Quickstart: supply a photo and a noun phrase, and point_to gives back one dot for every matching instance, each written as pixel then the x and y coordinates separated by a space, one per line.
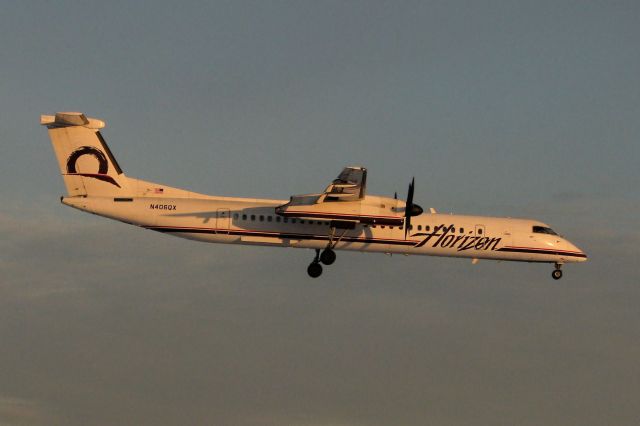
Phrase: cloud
pixel 112 324
pixel 23 412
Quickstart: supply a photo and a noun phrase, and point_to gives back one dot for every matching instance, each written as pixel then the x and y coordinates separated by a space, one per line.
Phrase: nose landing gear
pixel 557 273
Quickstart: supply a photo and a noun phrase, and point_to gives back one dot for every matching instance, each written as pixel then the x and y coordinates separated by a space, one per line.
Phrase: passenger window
pixel 462 230
pixel 410 227
pixel 427 227
pixel 382 226
pixel 419 227
pixel 244 217
pixel 285 220
pixel 235 216
pixel 293 221
pixel 269 218
pixel 277 218
pixel 479 231
pixel 261 218
pixel 253 217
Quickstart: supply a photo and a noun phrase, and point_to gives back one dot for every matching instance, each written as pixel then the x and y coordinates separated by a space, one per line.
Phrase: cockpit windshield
pixel 543 230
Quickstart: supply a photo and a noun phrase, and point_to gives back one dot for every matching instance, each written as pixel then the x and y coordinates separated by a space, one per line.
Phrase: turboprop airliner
pixel 342 217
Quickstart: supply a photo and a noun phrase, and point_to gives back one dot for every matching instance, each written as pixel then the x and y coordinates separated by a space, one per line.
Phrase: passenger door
pixel 222 221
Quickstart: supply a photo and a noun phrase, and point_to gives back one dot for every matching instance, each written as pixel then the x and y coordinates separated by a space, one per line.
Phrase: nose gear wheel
pixel 557 273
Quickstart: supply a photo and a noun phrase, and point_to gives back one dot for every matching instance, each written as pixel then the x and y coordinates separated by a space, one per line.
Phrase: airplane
pixel 342 217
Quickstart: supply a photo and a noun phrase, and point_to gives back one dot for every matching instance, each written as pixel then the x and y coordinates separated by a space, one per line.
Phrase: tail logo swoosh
pixel 103 164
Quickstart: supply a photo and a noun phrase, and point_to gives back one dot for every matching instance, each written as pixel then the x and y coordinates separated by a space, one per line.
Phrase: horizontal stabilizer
pixel 67 119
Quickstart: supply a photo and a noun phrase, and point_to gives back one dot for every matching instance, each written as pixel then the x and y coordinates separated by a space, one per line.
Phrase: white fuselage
pixel 343 217
pixel 254 222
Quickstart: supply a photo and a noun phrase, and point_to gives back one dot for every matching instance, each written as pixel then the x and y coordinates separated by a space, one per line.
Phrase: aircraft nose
pixel 580 255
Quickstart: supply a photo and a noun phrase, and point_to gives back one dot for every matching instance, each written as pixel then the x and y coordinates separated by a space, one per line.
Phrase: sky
pixel 504 108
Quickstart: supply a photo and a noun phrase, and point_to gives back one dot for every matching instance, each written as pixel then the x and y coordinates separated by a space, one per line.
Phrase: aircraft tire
pixel 557 274
pixel 314 270
pixel 328 256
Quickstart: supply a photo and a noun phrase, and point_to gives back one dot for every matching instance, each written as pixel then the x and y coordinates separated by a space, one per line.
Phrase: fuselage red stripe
pixel 283 235
pixel 364 240
pixel 533 250
pixel 294 213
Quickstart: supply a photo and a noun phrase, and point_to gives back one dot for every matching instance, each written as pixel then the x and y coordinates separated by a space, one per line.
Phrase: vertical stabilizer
pixel 86 163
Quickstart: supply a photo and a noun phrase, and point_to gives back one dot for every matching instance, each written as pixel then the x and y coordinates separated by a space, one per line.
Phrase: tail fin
pixel 86 163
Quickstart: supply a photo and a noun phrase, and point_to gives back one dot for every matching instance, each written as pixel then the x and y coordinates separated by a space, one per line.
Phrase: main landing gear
pixel 326 257
pixel 315 268
pixel 557 273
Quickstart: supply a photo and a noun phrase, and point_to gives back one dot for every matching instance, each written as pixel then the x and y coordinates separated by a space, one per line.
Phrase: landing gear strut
pixel 557 273
pixel 327 256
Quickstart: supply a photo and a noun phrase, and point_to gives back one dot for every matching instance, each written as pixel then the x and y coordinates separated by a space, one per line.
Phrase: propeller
pixel 410 209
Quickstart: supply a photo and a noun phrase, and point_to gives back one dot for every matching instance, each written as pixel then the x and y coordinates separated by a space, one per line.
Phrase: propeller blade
pixel 408 209
pixel 407 225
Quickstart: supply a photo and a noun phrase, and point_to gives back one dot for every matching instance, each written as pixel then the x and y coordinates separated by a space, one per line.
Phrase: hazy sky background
pixel 508 108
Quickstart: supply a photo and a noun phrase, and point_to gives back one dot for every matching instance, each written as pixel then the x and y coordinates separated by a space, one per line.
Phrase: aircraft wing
pixel 344 203
pixel 350 185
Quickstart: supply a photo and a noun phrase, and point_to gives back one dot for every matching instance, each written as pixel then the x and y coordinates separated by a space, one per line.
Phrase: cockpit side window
pixel 543 230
